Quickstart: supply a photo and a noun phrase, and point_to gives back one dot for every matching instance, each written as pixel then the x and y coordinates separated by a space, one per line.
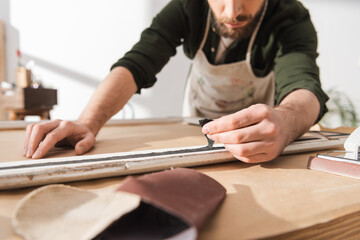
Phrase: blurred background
pixel 73 44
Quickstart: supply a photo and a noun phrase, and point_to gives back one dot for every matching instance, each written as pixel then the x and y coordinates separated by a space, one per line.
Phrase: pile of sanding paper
pixel 172 204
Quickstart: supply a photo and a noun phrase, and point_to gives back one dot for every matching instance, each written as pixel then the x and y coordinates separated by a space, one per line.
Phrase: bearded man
pixel 254 70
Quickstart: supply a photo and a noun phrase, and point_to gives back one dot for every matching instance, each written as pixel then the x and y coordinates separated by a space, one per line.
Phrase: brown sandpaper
pixel 171 204
pixel 186 193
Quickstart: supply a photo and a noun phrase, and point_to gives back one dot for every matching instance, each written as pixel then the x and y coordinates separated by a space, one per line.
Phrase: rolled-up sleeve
pixel 295 63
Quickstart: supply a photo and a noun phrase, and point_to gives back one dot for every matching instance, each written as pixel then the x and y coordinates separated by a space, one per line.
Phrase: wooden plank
pixel 2 52
pixel 57 170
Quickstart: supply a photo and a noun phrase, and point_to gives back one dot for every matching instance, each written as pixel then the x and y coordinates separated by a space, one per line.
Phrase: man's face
pixel 236 19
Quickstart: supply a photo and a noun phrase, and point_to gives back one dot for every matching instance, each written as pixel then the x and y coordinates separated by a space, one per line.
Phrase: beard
pixel 239 33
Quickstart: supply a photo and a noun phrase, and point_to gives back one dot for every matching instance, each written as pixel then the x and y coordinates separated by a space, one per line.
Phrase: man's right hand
pixel 40 138
pixel 108 99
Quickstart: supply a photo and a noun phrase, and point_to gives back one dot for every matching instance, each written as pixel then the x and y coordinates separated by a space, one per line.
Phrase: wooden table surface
pixel 280 199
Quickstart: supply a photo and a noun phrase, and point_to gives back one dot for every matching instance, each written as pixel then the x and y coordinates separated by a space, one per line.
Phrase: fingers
pixel 252 135
pixel 85 144
pixel 249 116
pixel 245 149
pixel 42 137
pixel 237 136
pixel 258 158
pixel 50 140
pixel 27 137
pixel 253 152
pixel 35 134
pixel 258 132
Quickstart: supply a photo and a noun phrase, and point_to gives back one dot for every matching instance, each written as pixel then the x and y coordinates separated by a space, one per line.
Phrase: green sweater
pixel 286 43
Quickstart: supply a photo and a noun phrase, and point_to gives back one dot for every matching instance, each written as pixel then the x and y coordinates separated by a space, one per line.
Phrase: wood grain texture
pixel 345 227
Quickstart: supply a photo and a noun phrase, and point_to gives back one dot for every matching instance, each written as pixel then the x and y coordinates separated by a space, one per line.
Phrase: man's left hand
pixel 260 133
pixel 252 135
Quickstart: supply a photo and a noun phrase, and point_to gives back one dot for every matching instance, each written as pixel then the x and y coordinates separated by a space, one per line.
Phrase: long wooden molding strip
pixel 126 156
pixel 318 140
pixel 57 170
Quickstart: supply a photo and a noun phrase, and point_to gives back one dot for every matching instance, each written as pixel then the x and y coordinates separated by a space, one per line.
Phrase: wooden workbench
pixel 280 199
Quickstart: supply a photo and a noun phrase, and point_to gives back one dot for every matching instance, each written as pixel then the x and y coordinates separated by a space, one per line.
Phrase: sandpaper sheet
pixel 172 203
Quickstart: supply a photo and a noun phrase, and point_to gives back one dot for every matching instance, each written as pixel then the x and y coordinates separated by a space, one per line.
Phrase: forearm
pixel 109 98
pixel 299 110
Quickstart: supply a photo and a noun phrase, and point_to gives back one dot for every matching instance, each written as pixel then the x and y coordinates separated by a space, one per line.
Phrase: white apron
pixel 213 91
